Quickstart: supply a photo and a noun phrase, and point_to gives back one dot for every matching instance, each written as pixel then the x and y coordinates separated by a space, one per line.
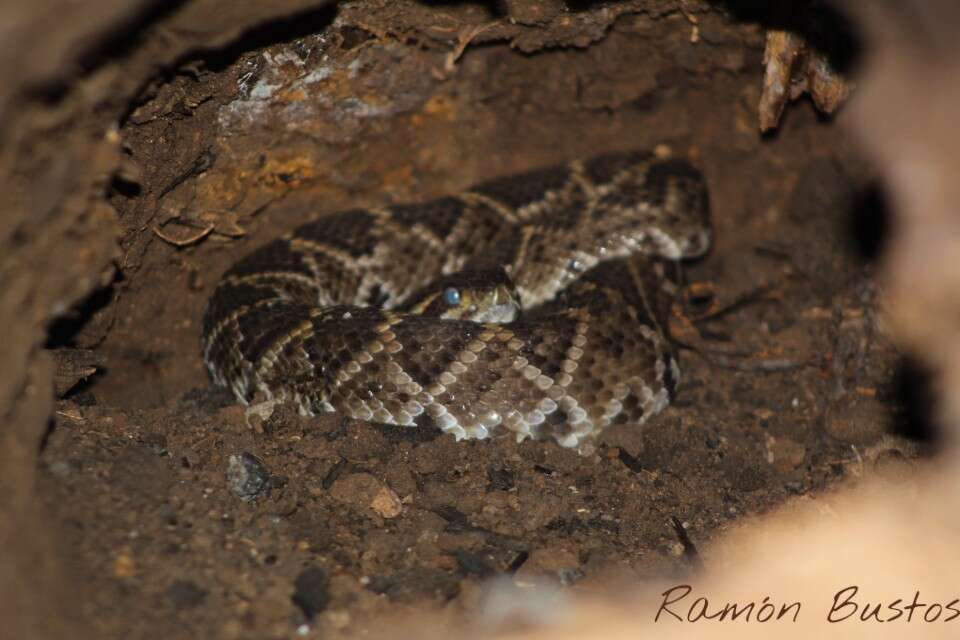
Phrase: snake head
pixel 482 295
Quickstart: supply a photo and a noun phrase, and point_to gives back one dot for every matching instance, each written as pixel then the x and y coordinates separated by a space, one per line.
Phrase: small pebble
pixel 184 594
pixel 784 453
pixel 794 487
pixel 362 490
pixel 386 503
pixel 311 591
pixel 60 468
pixel 124 565
pixel 247 476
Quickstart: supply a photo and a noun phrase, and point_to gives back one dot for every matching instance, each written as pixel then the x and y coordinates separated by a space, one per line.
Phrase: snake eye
pixel 451 296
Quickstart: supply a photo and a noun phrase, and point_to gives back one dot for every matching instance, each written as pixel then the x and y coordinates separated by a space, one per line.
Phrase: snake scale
pixel 532 303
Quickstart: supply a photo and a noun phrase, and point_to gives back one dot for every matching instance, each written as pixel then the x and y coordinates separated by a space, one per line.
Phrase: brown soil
pixel 792 388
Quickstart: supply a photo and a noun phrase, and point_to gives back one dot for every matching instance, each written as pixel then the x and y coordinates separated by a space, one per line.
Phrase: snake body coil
pixel 322 317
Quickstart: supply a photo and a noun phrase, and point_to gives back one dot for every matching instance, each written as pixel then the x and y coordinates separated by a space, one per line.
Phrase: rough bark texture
pixel 71 72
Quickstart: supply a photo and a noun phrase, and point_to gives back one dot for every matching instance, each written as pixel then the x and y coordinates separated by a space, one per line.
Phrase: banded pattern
pixel 320 317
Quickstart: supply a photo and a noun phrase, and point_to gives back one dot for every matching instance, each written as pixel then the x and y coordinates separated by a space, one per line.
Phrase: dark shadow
pixel 869 222
pixel 64 329
pixel 45 438
pixel 285 29
pixel 579 6
pixel 126 188
pixel 824 27
pixel 852 212
pixel 495 8
pixel 914 400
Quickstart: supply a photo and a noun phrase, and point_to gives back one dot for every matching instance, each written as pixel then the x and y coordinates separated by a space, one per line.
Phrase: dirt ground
pixel 183 518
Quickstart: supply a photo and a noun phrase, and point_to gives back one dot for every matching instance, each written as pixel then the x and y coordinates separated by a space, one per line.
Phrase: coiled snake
pixel 411 315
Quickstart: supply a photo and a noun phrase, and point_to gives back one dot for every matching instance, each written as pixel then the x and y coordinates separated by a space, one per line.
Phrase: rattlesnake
pixel 409 315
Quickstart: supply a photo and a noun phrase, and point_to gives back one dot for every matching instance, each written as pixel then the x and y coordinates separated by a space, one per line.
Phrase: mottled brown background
pixel 146 145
